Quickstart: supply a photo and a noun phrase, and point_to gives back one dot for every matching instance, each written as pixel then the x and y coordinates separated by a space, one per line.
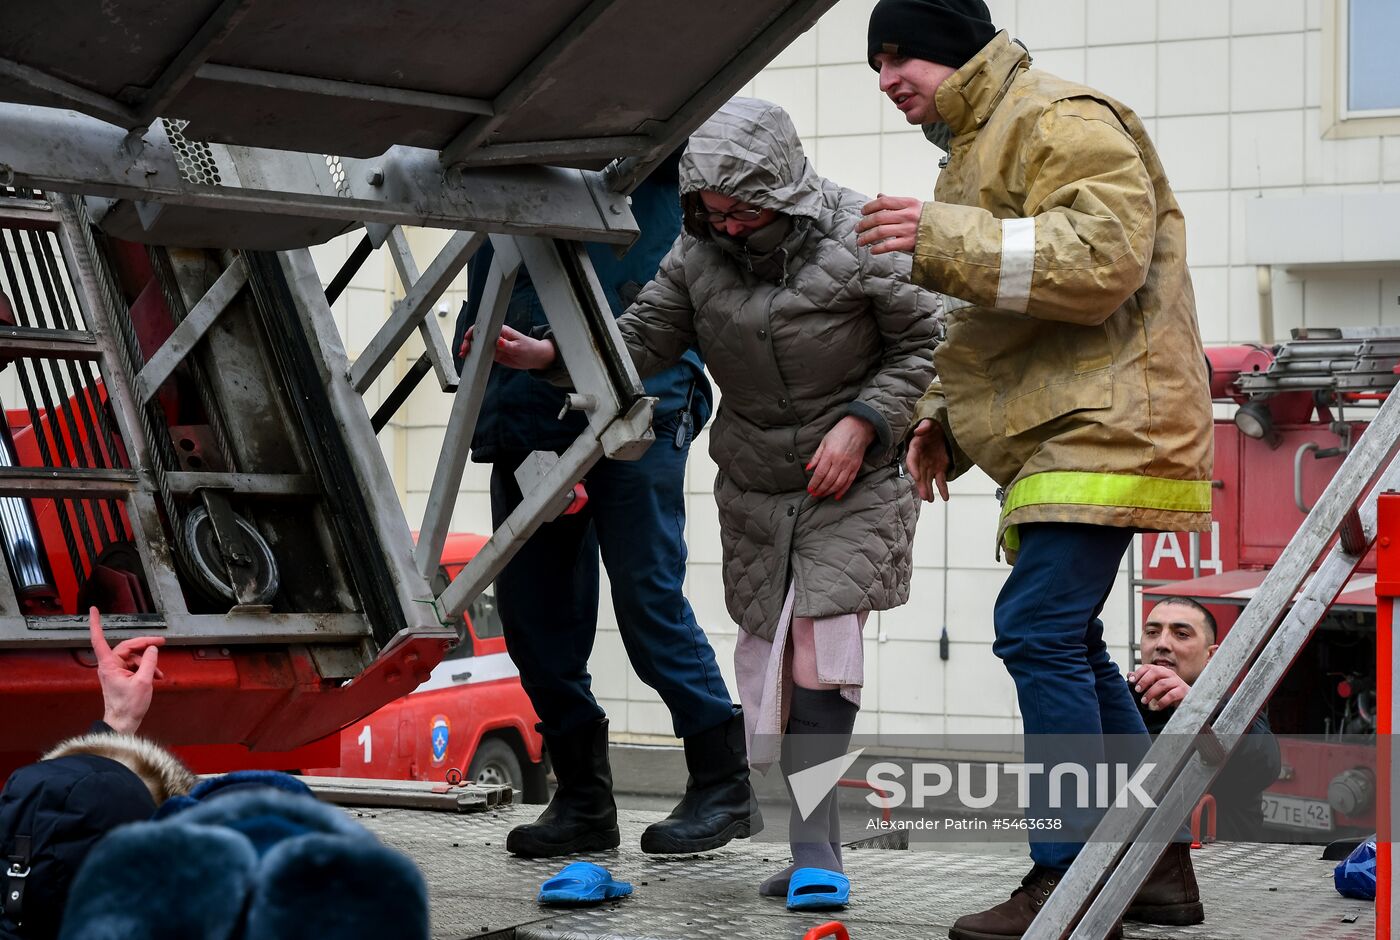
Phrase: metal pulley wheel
pixel 200 546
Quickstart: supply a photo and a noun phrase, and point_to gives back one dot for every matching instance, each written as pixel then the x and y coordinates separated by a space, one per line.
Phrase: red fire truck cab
pixel 471 717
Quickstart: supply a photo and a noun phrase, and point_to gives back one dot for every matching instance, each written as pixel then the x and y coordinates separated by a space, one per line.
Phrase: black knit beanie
pixel 949 32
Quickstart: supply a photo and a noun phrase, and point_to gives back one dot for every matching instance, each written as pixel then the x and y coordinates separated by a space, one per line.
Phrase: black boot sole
pixel 1167 915
pixel 527 845
pixel 660 842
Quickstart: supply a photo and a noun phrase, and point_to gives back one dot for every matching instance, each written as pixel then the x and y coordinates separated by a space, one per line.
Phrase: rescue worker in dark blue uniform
pixel 635 519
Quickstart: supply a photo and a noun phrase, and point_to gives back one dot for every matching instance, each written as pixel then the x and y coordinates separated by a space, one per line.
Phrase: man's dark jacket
pixel 1238 789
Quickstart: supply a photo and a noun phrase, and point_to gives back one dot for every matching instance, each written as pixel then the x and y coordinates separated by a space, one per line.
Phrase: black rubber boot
pixel 582 816
pixel 719 804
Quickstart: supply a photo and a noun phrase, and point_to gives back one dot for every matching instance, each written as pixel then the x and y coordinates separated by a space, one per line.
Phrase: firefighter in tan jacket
pixel 1072 373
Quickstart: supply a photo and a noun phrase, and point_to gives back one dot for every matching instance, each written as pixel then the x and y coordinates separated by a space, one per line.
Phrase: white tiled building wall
pixel 1230 90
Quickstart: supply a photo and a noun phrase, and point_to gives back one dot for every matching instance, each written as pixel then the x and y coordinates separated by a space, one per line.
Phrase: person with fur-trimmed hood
pixel 53 812
pixel 820 349
pixel 110 836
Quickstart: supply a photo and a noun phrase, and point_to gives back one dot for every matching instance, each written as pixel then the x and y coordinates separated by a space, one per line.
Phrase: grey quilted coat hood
pixel 796 339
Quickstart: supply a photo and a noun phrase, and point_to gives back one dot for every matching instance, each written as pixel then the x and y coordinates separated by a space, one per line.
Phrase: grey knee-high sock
pixel 818 730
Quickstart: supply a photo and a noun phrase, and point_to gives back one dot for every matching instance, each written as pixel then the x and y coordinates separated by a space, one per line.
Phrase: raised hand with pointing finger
pixel 127 674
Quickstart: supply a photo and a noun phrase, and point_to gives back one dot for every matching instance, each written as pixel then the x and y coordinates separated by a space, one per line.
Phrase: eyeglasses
pixel 738 215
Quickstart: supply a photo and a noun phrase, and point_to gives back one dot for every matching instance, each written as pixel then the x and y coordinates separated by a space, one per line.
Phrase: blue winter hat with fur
pixel 253 862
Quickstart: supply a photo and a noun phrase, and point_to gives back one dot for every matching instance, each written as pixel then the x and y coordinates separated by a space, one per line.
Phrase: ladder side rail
pixel 409 311
pixel 98 308
pixel 434 345
pixel 1177 742
pixel 376 487
pixel 466 408
pixel 539 506
pixel 1250 697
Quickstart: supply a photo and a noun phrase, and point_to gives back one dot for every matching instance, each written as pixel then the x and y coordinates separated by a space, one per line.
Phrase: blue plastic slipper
pixel 818 889
pixel 582 883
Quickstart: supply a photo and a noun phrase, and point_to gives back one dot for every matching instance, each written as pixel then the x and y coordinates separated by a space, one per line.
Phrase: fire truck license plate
pixel 1297 813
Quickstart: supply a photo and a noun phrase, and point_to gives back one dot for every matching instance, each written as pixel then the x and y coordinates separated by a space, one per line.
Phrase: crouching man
pixel 1178 639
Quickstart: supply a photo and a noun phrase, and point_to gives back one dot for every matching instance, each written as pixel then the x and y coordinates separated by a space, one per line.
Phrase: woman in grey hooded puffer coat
pixel 796 337
pixel 814 344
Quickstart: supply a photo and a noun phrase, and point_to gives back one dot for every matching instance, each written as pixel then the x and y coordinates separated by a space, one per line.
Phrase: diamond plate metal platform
pixel 478 890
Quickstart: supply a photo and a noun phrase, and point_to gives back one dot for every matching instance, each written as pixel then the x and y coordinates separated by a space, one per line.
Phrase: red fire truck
pixel 471 718
pixel 62 555
pixel 1300 408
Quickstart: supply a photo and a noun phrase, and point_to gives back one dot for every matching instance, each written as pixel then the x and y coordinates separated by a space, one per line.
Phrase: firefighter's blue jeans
pixel 548 594
pixel 1049 635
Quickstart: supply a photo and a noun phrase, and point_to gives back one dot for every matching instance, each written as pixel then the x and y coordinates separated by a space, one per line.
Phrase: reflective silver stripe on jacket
pixel 1017 264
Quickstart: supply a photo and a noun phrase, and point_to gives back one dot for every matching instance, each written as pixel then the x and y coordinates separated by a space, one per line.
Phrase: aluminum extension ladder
pixel 1195 744
pixel 608 390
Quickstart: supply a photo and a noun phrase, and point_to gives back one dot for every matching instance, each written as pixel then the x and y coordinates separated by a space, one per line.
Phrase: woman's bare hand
pixel 515 350
pixel 838 458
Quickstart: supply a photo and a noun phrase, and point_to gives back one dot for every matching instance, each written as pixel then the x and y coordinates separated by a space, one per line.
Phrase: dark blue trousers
pixel 548 594
pixel 1049 635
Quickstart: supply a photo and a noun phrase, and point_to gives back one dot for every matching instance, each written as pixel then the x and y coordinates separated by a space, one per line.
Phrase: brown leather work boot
pixel 1170 895
pixel 1012 918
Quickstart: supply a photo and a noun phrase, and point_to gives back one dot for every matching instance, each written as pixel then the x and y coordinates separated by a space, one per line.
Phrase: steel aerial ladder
pixel 1270 632
pixel 177 161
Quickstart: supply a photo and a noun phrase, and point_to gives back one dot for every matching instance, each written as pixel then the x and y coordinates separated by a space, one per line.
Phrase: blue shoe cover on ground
pixel 582 883
pixel 817 889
